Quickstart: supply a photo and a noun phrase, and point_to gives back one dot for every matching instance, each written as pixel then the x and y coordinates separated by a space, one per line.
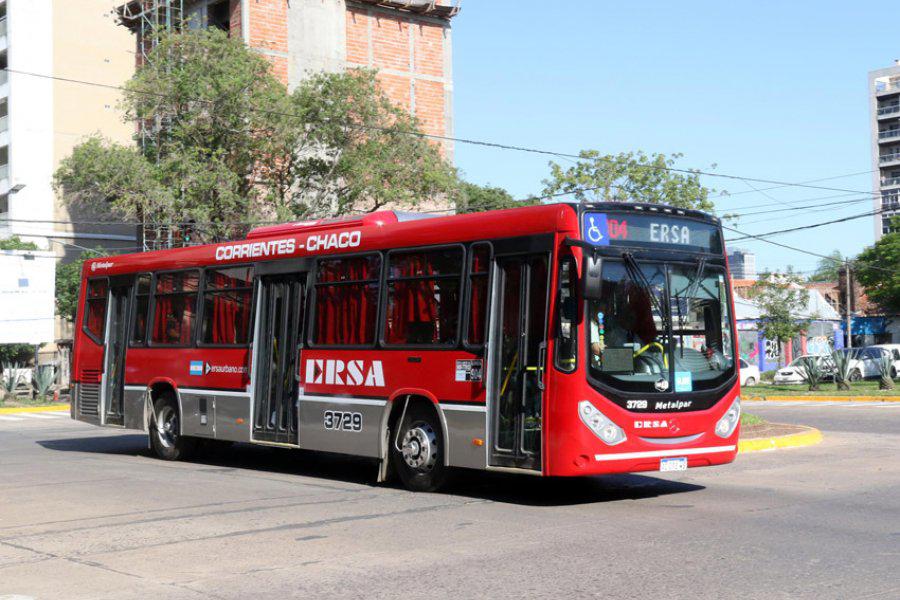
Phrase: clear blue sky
pixel 767 89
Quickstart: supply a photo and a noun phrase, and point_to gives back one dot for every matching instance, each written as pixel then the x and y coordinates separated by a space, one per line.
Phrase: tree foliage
pixel 878 270
pixel 15 243
pixel 629 176
pixel 829 269
pixel 479 198
pixel 228 144
pixel 782 301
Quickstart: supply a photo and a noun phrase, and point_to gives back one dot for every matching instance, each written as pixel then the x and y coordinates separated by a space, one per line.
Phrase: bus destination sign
pixel 629 229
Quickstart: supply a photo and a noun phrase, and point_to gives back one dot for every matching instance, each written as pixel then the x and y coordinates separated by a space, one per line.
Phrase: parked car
pixel 793 373
pixel 866 361
pixel 749 373
pixel 894 349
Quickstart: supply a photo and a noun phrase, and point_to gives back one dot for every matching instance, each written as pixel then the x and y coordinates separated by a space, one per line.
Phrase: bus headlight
pixel 729 421
pixel 608 432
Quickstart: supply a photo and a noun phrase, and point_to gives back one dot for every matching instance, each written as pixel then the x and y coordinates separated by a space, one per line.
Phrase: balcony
pixel 888 111
pixel 886 87
pixel 889 134
pixel 888 182
pixel 887 159
pixel 3 40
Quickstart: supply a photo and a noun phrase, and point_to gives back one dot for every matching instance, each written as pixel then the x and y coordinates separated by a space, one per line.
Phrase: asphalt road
pixel 87 513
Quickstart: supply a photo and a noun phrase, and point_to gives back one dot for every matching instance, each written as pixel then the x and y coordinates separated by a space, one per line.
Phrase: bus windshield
pixel 660 327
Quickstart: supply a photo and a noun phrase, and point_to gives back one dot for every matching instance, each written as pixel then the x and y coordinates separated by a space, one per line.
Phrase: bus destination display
pixel 629 229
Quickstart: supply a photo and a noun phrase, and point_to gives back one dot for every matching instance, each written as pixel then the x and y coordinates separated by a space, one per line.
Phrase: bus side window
pixel 567 313
pixel 346 300
pixel 175 301
pixel 227 294
pixel 95 309
pixel 423 297
pixel 141 307
pixel 477 306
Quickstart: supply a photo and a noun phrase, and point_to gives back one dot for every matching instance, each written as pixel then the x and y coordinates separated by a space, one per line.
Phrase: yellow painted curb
pixel 11 410
pixel 794 440
pixel 824 398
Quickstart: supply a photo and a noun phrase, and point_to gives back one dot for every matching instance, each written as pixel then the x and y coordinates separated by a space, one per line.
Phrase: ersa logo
pixel 667 424
pixel 329 371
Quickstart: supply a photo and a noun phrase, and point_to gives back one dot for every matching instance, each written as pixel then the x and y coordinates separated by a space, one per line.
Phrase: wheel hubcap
pixel 167 426
pixel 419 448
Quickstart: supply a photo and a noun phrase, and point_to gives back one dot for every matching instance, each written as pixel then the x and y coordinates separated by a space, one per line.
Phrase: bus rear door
pixel 281 308
pixel 121 292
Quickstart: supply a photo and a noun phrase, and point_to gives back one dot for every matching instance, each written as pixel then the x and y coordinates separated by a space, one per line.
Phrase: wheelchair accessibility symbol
pixel 595 229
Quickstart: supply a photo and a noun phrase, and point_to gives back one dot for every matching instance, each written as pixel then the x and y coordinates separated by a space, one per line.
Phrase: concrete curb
pixel 11 410
pixel 809 437
pixel 823 398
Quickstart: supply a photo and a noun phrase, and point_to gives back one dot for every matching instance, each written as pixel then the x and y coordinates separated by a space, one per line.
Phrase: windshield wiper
pixel 637 275
pixel 689 292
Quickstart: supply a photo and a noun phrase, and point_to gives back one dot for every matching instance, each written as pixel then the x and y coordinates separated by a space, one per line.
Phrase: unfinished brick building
pixel 407 41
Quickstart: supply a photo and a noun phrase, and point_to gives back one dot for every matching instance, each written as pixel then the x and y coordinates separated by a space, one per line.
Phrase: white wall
pixel 30 35
pixel 27 292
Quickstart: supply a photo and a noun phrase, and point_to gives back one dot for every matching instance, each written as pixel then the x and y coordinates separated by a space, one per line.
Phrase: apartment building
pixel 48 47
pixel 742 264
pixel 407 41
pixel 44 118
pixel 884 104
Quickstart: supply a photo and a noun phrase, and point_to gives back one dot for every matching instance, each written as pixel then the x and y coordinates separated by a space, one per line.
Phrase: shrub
pixel 842 364
pixel 810 369
pixel 42 380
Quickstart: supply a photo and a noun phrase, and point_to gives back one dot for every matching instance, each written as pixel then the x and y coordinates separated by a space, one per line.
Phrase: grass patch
pixel 748 420
pixel 20 402
pixel 828 388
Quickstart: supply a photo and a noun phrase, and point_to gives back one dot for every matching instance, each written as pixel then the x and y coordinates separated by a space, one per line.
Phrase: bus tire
pixel 419 461
pixel 165 430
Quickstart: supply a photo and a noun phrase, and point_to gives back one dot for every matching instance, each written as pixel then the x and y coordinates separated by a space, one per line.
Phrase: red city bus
pixel 559 340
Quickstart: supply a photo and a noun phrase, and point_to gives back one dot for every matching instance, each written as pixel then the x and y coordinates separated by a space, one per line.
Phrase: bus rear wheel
pixel 417 450
pixel 165 430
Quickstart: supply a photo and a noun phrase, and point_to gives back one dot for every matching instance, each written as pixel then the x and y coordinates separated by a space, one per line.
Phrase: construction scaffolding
pixel 148 20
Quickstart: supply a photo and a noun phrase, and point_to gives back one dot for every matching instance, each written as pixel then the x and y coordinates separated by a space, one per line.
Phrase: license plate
pixel 673 464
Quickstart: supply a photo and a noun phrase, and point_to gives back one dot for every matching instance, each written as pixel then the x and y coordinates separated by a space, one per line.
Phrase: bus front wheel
pixel 417 450
pixel 165 430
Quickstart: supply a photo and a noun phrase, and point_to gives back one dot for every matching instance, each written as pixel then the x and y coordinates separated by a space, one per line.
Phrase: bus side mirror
pixel 592 277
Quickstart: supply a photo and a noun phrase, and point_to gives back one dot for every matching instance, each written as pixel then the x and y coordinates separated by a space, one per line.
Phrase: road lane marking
pixel 35 416
pixel 6 418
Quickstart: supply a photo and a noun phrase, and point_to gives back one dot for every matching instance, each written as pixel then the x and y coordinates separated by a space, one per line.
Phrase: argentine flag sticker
pixel 196 367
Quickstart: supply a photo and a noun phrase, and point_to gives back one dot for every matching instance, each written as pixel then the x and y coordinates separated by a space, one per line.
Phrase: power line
pixel 775 187
pixel 804 227
pixel 474 142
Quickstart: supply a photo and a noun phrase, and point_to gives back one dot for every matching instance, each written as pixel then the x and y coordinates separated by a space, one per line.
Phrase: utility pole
pixel 847 304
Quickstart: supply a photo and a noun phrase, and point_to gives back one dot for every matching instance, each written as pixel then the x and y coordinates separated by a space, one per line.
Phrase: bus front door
pixel 117 320
pixel 280 331
pixel 520 338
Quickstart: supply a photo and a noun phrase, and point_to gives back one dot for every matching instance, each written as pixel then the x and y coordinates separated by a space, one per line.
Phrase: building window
pixel 175 310
pixel 227 294
pixel 141 308
pixel 423 297
pixel 95 309
pixel 346 300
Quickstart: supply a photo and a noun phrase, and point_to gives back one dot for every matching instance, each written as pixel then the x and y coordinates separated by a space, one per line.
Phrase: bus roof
pixel 374 231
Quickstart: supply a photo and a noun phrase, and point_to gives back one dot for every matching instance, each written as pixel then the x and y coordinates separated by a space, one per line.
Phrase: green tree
pixel 782 302
pixel 878 270
pixel 828 269
pixel 228 144
pixel 629 176
pixel 68 280
pixel 15 243
pixel 479 198
pixel 15 353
